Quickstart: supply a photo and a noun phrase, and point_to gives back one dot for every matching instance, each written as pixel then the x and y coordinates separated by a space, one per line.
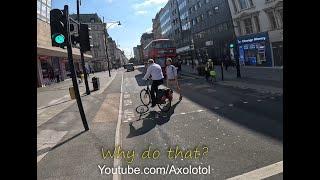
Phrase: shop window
pixel 248 26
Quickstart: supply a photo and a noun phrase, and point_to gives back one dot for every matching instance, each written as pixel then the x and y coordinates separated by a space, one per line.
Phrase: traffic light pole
pixel 73 73
pixel 235 43
pixel 82 57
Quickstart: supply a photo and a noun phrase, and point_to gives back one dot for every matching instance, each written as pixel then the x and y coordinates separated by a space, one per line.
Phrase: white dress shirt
pixel 155 71
pixel 171 72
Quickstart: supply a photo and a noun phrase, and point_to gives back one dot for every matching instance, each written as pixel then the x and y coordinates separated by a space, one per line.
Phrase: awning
pixel 58 52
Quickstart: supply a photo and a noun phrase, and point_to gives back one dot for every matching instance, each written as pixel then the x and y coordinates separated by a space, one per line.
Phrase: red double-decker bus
pixel 159 50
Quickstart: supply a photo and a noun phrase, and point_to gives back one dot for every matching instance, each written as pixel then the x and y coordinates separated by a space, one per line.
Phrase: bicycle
pixel 164 98
pixel 212 77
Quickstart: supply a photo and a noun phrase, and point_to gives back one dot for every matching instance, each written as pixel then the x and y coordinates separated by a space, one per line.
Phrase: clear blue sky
pixel 135 16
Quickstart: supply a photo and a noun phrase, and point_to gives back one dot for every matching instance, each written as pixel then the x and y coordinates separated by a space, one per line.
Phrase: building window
pixel 256 22
pixel 272 20
pixel 239 27
pixel 251 3
pixel 243 4
pixel 207 1
pixel 44 10
pixel 202 17
pixel 198 19
pixel 234 6
pixel 38 7
pixel 190 10
pixel 216 9
pixel 49 3
pixel 199 4
pixel 195 7
pixel 48 13
pixel 248 26
pixel 210 13
pixel 280 12
pixel 194 22
pixel 225 26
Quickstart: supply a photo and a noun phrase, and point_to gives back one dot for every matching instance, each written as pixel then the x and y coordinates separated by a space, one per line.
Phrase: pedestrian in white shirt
pixel 157 79
pixel 172 77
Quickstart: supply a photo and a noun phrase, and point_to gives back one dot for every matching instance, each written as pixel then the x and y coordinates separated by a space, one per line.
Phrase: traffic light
pixel 58 23
pixel 231 45
pixel 85 37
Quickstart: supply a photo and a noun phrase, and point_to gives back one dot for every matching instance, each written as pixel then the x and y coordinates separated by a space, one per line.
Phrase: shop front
pixel 254 50
pixel 52 64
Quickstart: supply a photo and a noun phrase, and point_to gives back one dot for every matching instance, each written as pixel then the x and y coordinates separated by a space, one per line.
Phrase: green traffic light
pixel 231 45
pixel 59 38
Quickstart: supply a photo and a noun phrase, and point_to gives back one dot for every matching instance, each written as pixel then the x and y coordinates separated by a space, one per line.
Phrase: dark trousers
pixel 154 90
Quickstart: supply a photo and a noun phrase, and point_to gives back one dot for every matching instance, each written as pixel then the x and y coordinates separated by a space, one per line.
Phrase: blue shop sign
pixel 253 38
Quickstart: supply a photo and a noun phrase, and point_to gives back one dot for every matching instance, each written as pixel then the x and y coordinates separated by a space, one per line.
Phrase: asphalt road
pixel 241 128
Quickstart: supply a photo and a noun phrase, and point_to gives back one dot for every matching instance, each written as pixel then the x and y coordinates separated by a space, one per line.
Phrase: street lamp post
pixel 81 55
pixel 106 44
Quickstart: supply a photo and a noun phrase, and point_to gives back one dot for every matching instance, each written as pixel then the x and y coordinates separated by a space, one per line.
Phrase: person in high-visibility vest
pixel 208 68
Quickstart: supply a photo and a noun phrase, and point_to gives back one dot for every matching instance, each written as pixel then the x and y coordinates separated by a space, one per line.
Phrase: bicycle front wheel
pixel 145 97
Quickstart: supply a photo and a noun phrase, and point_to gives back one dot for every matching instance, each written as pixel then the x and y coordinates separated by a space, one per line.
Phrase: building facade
pixel 136 54
pixel 199 28
pixel 156 28
pixel 259 30
pixel 112 46
pixel 52 62
pixel 145 39
pixel 99 61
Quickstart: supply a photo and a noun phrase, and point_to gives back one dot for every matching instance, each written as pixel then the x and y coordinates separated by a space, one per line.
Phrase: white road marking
pixel 126 96
pixel 127 102
pixel 190 112
pixel 128 114
pixel 261 173
pixel 231 105
pixel 216 107
pixel 116 161
pixel 245 102
pixel 259 100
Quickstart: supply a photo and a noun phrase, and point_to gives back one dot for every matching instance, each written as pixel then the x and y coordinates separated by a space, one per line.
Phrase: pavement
pixel 262 79
pixel 239 132
pixel 53 99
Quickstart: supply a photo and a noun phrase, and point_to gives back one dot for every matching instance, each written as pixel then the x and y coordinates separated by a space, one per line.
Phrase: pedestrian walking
pixel 172 77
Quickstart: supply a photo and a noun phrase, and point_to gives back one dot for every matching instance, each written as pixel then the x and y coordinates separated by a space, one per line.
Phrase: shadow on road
pixel 151 120
pixel 42 151
pixel 264 117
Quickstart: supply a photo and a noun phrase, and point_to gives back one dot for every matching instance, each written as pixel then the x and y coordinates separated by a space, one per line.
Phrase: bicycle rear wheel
pixel 145 97
pixel 165 106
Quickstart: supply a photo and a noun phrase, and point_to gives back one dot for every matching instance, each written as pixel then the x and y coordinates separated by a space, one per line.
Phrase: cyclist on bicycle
pixel 209 67
pixel 157 79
